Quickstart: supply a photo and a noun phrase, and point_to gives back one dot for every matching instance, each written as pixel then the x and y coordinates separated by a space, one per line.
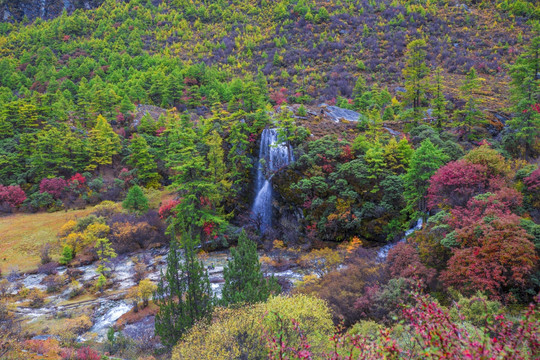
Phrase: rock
pixel 400 89
pixel 16 10
pixel 337 114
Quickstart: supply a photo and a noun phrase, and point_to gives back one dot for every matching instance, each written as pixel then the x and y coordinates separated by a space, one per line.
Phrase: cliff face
pixel 15 10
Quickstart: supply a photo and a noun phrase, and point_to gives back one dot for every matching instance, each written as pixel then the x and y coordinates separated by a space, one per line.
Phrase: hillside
pixel 299 179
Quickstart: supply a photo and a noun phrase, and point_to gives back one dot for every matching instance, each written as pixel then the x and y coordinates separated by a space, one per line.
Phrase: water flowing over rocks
pixel 272 157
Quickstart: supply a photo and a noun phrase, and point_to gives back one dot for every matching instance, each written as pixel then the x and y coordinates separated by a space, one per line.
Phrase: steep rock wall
pixel 16 10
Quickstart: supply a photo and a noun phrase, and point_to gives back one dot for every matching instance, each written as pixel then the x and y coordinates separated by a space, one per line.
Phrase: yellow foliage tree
pixel 237 333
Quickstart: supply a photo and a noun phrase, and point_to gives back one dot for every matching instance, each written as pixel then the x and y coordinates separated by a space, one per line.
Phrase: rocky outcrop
pixel 16 10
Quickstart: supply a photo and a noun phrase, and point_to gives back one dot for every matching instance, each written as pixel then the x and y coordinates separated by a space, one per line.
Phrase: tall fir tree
pixel 183 294
pixel 525 124
pixel 416 74
pixel 424 163
pixel 141 159
pixel 472 115
pixel 135 201
pixel 244 280
pixel 103 144
pixel 438 103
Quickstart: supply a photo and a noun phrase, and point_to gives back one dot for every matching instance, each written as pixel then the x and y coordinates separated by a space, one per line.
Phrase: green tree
pixel 105 254
pixel 141 159
pixel 416 76
pixel 183 294
pixel 424 163
pixel 526 100
pixel 472 115
pixel 438 103
pixel 103 144
pixel 192 179
pixel 135 200
pixel 244 280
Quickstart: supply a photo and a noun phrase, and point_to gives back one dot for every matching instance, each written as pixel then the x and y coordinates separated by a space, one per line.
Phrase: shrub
pixel 342 288
pixel 11 196
pixel 238 333
pixel 55 187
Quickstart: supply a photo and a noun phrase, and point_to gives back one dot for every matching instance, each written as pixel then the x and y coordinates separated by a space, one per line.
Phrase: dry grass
pixel 23 235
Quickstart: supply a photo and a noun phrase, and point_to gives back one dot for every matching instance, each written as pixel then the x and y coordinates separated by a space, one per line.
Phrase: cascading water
pixel 383 251
pixel 272 157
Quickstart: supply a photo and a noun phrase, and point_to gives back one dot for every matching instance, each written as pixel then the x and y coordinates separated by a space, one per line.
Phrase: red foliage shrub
pixel 11 196
pixel 494 254
pixel 533 181
pixel 55 186
pixel 456 182
pixel 435 332
pixel 77 180
pixel 403 261
pixel 500 203
pixel 279 97
pixel 86 353
pixel 166 209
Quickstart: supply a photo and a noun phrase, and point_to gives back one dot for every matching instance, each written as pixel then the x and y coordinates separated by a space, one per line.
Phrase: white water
pixel 272 157
pixel 383 251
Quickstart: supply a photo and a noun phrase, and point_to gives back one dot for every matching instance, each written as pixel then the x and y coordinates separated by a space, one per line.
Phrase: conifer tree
pixel 135 200
pixel 424 163
pixel 143 161
pixel 471 112
pixel 103 144
pixel 416 76
pixel 183 294
pixel 244 280
pixel 438 103
pixel 525 75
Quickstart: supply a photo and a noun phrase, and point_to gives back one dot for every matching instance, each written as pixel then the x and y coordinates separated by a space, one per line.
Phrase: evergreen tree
pixel 525 125
pixel 183 294
pixel 472 115
pixel 192 178
pixel 143 161
pixel 424 163
pixel 416 76
pixel 216 166
pixel 126 105
pixel 244 281
pixel 103 144
pixel 438 103
pixel 135 200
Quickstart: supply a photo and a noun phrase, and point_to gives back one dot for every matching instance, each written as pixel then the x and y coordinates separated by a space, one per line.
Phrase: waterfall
pixel 383 251
pixel 272 157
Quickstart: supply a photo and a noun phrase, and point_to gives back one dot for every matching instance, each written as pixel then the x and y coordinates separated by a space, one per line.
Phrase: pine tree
pixel 526 99
pixel 244 280
pixel 471 112
pixel 143 161
pixel 438 103
pixel 192 179
pixel 416 76
pixel 105 254
pixel 184 294
pixel 135 200
pixel 424 163
pixel 216 166
pixel 103 144
pixel 126 105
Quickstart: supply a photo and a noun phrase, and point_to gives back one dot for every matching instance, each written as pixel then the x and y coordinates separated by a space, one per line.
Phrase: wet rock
pixel 337 114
